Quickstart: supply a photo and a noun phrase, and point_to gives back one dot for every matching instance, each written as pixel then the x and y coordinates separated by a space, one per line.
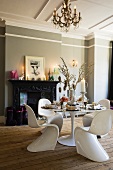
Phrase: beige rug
pixel 14 156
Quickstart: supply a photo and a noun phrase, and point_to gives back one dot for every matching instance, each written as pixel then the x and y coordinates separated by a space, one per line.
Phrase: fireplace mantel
pixel 40 89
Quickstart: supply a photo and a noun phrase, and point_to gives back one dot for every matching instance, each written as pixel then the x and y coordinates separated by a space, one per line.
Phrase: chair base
pixel 67 140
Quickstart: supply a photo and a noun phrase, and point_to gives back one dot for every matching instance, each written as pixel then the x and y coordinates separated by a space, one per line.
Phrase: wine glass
pixel 85 103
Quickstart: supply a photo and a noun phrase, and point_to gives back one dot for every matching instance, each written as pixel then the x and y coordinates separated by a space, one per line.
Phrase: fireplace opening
pixel 23 98
pixel 30 98
pixel 32 101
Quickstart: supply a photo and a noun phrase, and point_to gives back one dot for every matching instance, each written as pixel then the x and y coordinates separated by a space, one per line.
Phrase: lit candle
pixel 64 5
pixel 55 12
pixel 22 69
pixel 44 78
pixel 83 85
pixel 75 9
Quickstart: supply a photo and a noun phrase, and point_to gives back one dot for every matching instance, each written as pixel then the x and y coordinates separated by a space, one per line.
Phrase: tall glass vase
pixel 71 95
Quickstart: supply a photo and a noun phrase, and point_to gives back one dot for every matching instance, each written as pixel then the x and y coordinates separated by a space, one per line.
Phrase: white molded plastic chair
pixel 87 119
pixel 105 102
pixel 48 139
pixel 86 140
pixel 51 116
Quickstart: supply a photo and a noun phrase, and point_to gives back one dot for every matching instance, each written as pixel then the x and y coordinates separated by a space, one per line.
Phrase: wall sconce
pixel 74 63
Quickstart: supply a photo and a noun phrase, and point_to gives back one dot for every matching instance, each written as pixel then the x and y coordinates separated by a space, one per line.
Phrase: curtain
pixel 111 76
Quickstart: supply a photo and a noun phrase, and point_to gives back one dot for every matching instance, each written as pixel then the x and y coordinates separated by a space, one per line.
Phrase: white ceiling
pixel 97 15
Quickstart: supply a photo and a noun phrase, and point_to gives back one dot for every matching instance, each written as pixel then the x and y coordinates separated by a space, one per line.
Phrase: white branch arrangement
pixel 83 73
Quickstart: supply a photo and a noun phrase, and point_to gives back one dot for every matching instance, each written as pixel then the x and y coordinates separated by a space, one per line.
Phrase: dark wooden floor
pixel 14 156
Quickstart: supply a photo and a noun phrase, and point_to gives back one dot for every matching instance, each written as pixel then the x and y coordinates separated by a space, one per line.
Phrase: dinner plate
pixel 72 110
pixel 94 109
pixel 49 107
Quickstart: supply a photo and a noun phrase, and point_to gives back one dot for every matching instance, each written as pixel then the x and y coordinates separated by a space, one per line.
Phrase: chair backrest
pixel 32 121
pixel 41 111
pixel 105 102
pixel 102 122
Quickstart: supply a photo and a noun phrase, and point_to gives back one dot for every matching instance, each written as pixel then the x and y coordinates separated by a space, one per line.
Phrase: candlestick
pixel 49 74
pixel 79 15
pixel 83 85
pixel 83 95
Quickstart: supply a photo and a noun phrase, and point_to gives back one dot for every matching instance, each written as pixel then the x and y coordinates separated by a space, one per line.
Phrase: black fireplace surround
pixel 35 90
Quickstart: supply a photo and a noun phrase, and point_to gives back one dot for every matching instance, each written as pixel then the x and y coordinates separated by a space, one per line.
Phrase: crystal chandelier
pixel 66 18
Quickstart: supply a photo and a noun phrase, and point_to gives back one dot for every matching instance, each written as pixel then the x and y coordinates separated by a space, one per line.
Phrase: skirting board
pixel 2 119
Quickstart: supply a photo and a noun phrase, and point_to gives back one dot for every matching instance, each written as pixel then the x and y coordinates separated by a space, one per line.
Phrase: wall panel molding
pixel 54 41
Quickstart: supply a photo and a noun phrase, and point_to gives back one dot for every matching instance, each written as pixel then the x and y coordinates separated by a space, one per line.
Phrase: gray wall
pixel 91 60
pixel 21 42
pixel 99 53
pixel 102 57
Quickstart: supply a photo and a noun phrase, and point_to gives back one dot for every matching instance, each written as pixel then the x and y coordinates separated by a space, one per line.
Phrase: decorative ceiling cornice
pixel 41 27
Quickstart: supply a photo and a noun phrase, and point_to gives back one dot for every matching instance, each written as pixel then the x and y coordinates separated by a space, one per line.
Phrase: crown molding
pixel 71 34
pixel 98 35
pixel 41 27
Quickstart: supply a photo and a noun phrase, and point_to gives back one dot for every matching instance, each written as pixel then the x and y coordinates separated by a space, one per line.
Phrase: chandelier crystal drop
pixel 66 18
